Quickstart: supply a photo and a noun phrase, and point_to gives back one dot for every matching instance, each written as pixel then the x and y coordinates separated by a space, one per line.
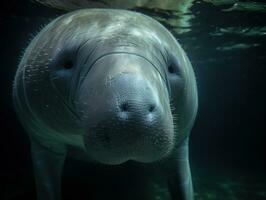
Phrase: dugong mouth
pixel 115 140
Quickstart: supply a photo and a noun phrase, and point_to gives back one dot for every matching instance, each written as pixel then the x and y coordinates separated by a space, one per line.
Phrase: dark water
pixel 227 146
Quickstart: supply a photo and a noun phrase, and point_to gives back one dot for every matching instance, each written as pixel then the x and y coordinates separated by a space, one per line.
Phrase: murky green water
pixel 225 41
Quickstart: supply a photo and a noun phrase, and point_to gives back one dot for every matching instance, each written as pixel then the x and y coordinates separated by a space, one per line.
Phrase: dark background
pixel 229 134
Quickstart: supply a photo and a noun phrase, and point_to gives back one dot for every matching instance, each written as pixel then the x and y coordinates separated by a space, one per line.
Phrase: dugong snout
pixel 134 98
pixel 128 112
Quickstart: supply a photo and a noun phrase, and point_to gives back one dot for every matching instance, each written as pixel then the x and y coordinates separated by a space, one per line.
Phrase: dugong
pixel 111 87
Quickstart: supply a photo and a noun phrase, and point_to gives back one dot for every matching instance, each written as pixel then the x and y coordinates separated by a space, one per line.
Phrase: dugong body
pixel 112 87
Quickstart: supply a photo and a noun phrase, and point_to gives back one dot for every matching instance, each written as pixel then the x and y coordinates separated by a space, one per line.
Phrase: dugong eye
pixel 173 65
pixel 171 69
pixel 68 64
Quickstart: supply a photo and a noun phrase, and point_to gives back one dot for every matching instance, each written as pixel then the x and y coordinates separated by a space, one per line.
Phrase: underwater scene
pixel 225 42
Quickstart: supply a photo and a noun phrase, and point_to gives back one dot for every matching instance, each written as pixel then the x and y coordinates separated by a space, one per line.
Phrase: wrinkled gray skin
pixel 115 86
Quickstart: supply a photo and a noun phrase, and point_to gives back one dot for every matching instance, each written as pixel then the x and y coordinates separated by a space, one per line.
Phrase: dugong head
pixel 117 80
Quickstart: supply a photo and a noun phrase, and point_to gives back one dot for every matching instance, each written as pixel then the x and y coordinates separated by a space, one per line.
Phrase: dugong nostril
pixel 151 108
pixel 124 107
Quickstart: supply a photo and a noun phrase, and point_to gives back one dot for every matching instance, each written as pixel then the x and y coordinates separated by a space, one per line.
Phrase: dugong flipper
pixel 180 185
pixel 48 167
pixel 112 87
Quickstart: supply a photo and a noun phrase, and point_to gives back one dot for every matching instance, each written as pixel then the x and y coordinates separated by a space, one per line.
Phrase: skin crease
pixel 111 86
